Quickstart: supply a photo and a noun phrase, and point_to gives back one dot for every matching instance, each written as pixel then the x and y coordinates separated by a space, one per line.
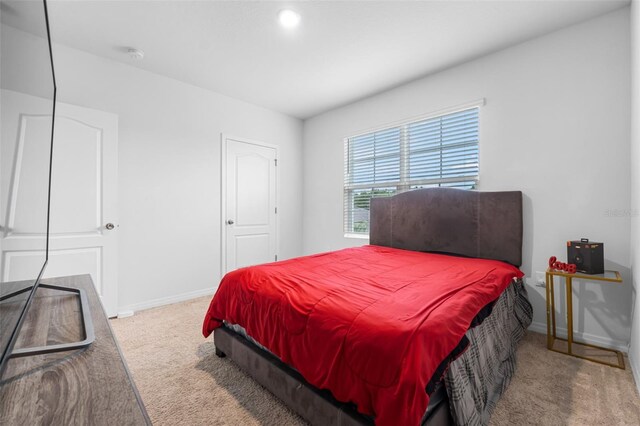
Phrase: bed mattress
pixel 372 324
pixel 473 382
pixel 437 397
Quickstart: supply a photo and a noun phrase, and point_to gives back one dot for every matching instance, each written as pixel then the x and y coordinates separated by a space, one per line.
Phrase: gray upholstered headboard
pixel 470 223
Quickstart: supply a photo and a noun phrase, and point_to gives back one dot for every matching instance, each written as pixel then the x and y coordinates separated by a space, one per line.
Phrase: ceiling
pixel 341 52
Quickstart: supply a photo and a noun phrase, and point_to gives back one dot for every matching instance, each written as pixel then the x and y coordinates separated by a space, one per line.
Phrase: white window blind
pixel 438 151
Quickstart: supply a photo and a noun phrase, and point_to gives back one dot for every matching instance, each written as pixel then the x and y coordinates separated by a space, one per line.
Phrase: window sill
pixel 357 236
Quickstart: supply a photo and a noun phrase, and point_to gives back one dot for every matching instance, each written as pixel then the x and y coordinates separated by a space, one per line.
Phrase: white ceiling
pixel 341 52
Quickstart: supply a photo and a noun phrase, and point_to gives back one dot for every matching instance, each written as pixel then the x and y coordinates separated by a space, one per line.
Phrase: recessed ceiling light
pixel 288 18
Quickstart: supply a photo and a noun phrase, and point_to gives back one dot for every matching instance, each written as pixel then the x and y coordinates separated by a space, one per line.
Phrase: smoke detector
pixel 136 54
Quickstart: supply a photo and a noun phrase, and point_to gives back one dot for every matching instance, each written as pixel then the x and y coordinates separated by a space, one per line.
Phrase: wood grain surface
pixel 91 386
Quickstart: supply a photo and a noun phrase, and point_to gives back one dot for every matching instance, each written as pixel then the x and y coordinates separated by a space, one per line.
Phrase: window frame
pixel 404 183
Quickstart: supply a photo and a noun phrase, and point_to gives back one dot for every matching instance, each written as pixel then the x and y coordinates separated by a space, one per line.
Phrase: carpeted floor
pixel 182 382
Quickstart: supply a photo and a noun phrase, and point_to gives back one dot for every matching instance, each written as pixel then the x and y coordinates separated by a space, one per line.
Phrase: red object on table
pixel 569 268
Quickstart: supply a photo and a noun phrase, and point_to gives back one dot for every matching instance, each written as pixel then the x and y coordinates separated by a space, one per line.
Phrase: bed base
pixel 316 406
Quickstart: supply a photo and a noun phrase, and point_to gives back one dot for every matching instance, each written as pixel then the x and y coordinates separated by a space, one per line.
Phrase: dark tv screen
pixel 27 109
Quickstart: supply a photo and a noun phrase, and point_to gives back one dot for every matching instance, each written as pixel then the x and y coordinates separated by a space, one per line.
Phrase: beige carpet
pixel 182 382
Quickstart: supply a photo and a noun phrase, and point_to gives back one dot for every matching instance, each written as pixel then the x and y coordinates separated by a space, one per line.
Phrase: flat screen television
pixel 27 123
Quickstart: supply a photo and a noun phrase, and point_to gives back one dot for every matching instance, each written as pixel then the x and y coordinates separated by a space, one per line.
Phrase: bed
pixel 420 326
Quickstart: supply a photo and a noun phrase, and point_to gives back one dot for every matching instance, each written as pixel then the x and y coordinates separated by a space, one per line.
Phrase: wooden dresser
pixel 91 386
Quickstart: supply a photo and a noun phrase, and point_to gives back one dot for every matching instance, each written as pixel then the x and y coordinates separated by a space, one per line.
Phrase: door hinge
pixel 276 210
pixel 276 257
pixel 275 160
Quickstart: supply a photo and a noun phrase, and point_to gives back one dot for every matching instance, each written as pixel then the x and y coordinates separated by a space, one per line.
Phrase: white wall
pixel 634 349
pixel 169 172
pixel 555 126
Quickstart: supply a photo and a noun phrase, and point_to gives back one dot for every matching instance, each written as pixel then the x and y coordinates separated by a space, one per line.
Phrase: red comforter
pixel 371 324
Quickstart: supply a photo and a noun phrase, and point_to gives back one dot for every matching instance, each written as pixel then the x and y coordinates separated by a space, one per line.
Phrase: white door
pixel 83 196
pixel 248 203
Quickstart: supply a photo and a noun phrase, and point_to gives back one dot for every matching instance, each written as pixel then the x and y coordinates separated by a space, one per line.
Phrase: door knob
pixel 109 226
pixel 230 222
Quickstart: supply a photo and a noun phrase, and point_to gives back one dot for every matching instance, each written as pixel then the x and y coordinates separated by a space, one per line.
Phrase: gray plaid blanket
pixel 478 378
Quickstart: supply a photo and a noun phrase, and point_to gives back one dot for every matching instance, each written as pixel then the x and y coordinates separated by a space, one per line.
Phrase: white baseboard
pixel 128 310
pixel 635 369
pixel 540 327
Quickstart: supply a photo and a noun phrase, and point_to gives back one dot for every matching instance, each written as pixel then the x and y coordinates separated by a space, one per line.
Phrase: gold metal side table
pixel 612 277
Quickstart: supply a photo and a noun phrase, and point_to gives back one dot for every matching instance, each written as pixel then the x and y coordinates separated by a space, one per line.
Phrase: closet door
pixel 249 203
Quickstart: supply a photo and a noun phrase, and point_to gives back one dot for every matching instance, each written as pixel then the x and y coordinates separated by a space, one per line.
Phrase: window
pixel 438 151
